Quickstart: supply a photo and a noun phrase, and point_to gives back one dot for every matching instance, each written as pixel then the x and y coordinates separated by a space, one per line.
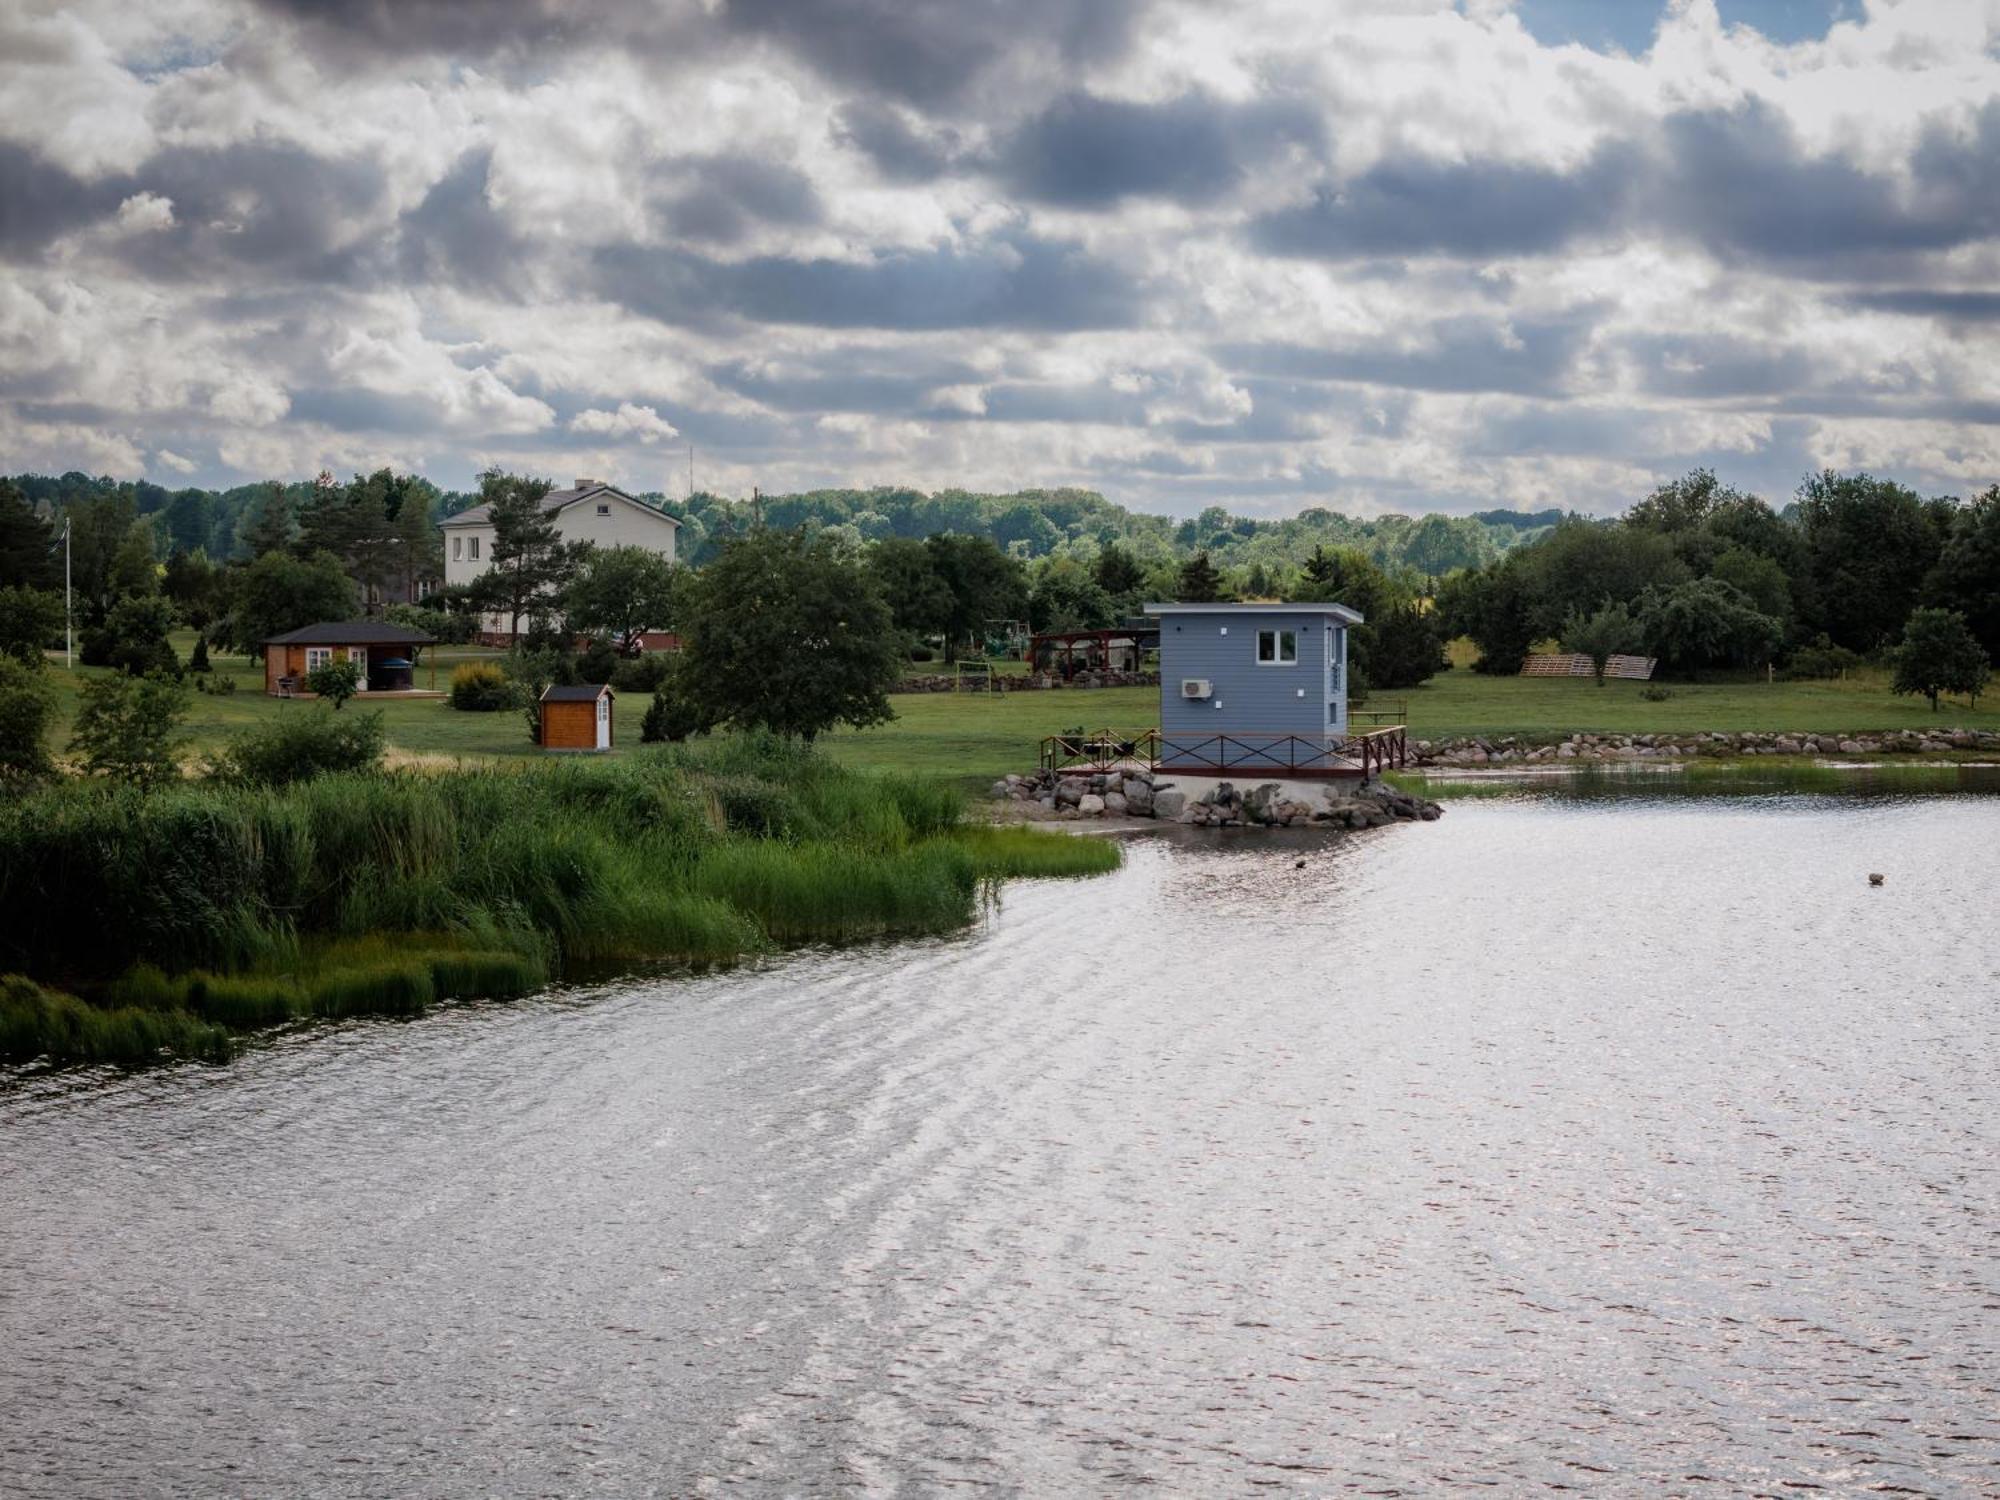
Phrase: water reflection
pixel 1620 1146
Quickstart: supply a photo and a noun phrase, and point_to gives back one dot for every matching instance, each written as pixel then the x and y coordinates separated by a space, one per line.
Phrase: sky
pixel 1380 255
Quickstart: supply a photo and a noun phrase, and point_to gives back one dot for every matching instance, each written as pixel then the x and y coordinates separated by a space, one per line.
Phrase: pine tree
pixel 1200 583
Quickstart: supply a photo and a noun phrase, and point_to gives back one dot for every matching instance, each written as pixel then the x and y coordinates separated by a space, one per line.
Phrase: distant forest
pixel 1029 524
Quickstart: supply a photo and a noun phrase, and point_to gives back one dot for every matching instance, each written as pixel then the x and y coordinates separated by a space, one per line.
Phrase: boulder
pixel 1139 797
pixel 1000 790
pixel 1169 804
pixel 1090 805
pixel 1115 804
pixel 1070 790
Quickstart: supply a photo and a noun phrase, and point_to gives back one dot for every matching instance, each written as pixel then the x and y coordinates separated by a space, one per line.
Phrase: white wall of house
pixel 603 517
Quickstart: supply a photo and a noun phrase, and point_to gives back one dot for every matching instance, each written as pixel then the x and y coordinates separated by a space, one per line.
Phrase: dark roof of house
pixel 351 633
pixel 582 692
pixel 556 500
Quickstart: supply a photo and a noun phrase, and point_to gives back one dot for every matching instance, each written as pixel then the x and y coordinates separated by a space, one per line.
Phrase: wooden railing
pixel 1389 715
pixel 1249 752
pixel 1100 749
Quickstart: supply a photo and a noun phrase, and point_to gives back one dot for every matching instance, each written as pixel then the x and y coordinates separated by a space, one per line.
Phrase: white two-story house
pixel 591 511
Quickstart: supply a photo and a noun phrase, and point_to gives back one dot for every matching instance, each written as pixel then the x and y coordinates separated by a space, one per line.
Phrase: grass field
pixel 976 737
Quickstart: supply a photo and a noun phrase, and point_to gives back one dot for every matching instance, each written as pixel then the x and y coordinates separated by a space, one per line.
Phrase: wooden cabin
pixel 577 718
pixel 385 654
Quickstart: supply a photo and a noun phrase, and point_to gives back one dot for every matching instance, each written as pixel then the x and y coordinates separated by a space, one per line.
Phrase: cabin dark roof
pixel 582 692
pixel 351 633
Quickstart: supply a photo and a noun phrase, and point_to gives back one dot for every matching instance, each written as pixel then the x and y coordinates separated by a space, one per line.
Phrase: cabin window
pixel 1277 648
pixel 472 547
pixel 604 510
pixel 457 548
pixel 317 657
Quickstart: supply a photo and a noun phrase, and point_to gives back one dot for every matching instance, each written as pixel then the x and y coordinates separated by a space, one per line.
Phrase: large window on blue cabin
pixel 1277 648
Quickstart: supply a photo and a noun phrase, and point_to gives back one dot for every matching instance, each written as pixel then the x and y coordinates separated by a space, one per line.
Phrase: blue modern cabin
pixel 1255 689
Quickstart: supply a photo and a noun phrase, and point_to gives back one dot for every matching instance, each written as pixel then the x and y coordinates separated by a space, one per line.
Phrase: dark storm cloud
pixel 1086 151
pixel 727 196
pixel 1740 184
pixel 1471 209
pixel 931 52
pixel 840 380
pixel 463 28
pixel 1922 302
pixel 455 238
pixel 274 210
pixel 1015 282
pixel 39 201
pixel 1708 366
pixel 1457 354
pixel 901 150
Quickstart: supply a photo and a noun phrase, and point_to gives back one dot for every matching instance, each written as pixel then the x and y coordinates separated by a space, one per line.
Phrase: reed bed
pixel 164 923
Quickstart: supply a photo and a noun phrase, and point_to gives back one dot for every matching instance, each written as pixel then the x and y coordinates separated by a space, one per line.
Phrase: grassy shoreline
pixel 132 925
pixel 973 738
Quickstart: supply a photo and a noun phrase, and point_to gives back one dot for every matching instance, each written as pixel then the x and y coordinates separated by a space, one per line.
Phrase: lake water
pixel 1616 1144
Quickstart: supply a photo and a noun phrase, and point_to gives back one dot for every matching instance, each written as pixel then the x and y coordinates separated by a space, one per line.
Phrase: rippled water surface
pixel 1620 1145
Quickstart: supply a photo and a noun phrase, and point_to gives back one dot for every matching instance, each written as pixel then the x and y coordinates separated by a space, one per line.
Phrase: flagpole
pixel 69 648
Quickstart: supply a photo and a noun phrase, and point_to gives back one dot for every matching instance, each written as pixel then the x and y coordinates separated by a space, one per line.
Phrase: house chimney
pixel 588 484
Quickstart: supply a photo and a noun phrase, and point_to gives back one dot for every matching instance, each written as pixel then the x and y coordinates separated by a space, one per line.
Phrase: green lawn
pixel 976 737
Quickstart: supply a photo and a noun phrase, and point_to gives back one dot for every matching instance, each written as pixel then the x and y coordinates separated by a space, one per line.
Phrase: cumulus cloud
pixel 629 423
pixel 1390 254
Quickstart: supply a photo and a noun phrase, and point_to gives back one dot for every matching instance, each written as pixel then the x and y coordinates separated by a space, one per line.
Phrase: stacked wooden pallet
pixel 1576 664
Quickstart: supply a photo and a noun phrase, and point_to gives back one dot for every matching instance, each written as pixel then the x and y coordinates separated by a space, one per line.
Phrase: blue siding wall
pixel 1249 697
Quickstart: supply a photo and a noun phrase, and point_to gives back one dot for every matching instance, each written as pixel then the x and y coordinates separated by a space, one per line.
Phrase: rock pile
pixel 1139 794
pixel 1028 682
pixel 1525 750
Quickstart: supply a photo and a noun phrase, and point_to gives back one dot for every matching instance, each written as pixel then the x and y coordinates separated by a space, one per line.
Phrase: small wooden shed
pixel 577 718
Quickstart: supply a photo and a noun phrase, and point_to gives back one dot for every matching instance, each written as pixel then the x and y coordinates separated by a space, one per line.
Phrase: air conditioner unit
pixel 1196 687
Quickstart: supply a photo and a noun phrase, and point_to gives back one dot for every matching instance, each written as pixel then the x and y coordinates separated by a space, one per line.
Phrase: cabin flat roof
pixel 1339 611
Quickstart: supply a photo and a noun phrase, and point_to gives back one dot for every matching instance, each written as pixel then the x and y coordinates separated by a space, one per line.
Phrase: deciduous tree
pixel 1939 654
pixel 784 633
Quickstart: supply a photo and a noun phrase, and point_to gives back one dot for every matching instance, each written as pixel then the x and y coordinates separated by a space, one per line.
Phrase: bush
pixel 31 620
pixel 1652 692
pixel 450 629
pixel 597 663
pixel 27 704
pixel 1822 659
pixel 922 653
pixel 126 727
pixel 133 638
pixel 335 681
pixel 198 659
pixel 639 675
pixel 215 686
pixel 481 687
pixel 669 719
pixel 300 744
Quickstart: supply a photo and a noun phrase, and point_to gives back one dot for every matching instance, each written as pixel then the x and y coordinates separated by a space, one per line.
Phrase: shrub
pixel 215 686
pixel 597 663
pixel 198 659
pixel 30 621
pixel 1822 659
pixel 133 638
pixel 27 704
pixel 481 687
pixel 300 744
pixel 335 681
pixel 1652 692
pixel 449 628
pixel 922 653
pixel 126 727
pixel 642 674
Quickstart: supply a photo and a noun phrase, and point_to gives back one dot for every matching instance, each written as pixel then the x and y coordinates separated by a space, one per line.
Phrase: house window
pixel 1277 648
pixel 457 548
pixel 472 547
pixel 604 510
pixel 317 657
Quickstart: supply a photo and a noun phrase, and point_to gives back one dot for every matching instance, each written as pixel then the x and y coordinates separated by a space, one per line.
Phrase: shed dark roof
pixel 352 633
pixel 582 692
